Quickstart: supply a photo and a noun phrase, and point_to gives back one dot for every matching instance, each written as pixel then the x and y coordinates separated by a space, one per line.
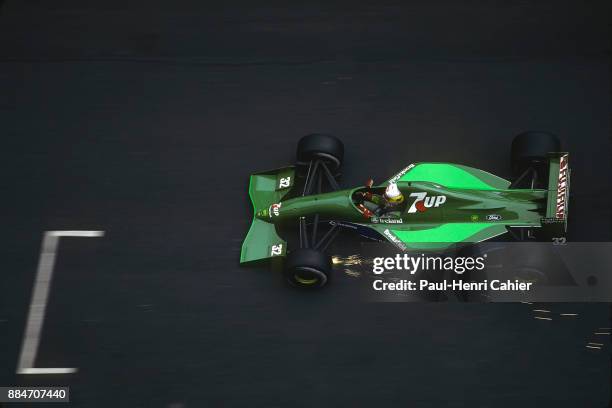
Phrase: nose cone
pixel 263 214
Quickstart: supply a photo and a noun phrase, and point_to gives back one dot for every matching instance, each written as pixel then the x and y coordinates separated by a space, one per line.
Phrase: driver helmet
pixel 393 195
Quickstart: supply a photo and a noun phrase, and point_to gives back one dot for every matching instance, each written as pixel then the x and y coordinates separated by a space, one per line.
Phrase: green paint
pixel 456 232
pixel 455 176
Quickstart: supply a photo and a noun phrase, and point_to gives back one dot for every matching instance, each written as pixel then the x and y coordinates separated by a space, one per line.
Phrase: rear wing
pixel 557 202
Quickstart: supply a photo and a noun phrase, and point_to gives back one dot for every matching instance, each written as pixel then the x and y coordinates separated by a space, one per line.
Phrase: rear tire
pixel 307 268
pixel 325 147
pixel 531 149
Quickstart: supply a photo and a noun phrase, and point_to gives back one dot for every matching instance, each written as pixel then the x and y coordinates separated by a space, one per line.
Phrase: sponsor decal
pixel 423 202
pixel 562 186
pixel 276 250
pixel 386 220
pixel 393 238
pixel 389 220
pixel 400 174
pixel 494 217
pixel 274 209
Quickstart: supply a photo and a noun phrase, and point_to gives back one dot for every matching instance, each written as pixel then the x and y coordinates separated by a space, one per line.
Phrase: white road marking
pixel 38 304
pixel 90 234
pixel 542 318
pixel 47 371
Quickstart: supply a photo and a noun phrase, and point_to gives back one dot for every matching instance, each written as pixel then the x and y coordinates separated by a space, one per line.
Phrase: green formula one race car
pixel 425 206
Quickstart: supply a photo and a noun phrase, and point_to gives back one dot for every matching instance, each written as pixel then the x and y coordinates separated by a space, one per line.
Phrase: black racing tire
pixel 531 149
pixel 307 268
pixel 320 146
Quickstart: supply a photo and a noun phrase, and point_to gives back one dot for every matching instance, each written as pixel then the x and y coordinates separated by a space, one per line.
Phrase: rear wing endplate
pixel 557 202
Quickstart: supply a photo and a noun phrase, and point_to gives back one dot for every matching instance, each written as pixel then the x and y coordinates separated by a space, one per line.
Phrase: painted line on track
pixel 38 304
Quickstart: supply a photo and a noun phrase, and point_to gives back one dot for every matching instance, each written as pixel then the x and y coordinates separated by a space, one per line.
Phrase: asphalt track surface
pixel 145 120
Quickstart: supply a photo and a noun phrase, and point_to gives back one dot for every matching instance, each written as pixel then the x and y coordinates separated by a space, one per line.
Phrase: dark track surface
pixel 145 121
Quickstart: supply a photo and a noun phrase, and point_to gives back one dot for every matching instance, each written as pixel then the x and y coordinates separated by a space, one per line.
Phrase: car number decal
pixel 277 250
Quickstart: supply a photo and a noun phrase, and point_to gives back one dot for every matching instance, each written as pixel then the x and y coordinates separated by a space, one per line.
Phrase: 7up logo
pixel 423 202
pixel 274 209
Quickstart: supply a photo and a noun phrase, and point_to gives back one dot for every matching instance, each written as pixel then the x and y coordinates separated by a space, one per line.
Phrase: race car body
pixel 444 204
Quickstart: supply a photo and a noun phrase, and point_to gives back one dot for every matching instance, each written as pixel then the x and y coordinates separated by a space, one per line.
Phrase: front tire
pixel 307 268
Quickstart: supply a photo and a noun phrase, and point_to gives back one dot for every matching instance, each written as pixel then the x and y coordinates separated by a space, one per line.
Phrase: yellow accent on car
pixel 305 281
pixel 396 200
